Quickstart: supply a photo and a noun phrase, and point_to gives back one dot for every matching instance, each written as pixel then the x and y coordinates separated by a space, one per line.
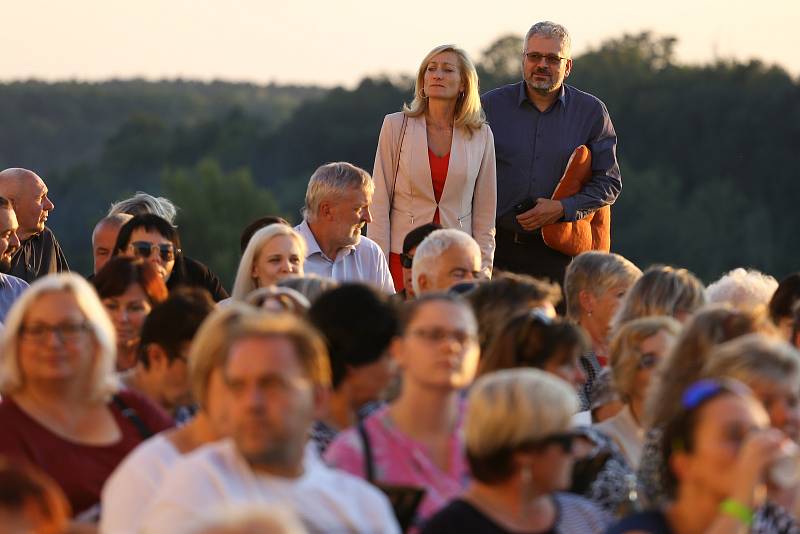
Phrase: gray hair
pixel 435 245
pixel 310 285
pixel 596 272
pixel 550 30
pixel 743 289
pixel 332 179
pixel 142 203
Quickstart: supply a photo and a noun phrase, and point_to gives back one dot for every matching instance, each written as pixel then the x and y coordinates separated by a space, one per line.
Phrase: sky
pixel 339 42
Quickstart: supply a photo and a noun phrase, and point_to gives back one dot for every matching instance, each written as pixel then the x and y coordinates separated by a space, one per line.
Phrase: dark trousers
pixel 527 254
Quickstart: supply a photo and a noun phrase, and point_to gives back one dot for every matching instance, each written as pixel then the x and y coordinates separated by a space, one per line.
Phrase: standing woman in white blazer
pixel 435 162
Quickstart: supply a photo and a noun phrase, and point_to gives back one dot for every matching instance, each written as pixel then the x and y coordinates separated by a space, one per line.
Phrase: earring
pixel 422 93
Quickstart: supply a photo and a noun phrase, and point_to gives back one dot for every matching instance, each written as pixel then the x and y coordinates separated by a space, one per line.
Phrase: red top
pixel 439 167
pixel 80 470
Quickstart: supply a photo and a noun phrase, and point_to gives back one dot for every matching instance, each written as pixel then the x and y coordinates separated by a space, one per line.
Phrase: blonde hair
pixel 104 379
pixel 754 358
pixel 661 290
pixel 596 272
pixel 625 349
pixel 514 407
pixel 469 113
pixel 245 283
pixel 226 326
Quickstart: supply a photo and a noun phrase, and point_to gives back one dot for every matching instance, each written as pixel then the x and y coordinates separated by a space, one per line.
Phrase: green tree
pixel 214 208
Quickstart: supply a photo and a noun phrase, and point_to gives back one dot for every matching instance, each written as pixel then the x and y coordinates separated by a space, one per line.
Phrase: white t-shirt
pixel 325 499
pixel 133 484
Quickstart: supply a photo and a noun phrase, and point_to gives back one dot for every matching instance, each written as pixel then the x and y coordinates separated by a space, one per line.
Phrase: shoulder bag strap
pixel 369 468
pixel 396 166
pixel 130 414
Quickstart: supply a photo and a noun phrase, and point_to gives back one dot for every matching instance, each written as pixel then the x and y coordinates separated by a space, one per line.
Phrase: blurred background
pixel 228 107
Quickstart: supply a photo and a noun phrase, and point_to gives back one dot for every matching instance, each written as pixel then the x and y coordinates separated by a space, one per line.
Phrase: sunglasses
pixel 143 249
pixel 406 260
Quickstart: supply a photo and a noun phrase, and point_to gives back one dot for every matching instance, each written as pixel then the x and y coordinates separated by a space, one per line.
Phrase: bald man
pixel 39 253
pixel 105 236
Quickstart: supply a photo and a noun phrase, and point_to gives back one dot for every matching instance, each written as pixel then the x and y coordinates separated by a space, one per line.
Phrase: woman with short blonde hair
pixel 518 441
pixel 62 408
pixel 435 162
pixel 273 253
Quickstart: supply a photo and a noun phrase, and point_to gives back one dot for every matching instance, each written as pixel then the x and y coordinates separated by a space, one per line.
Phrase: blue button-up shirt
pixel 532 149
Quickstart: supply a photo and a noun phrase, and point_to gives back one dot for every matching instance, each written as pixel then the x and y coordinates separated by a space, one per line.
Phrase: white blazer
pixel 469 198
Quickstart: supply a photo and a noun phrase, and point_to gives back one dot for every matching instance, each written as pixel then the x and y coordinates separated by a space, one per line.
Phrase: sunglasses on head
pixel 143 249
pixel 406 260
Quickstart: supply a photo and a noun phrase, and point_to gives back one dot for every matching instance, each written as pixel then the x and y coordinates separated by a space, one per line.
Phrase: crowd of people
pixel 451 371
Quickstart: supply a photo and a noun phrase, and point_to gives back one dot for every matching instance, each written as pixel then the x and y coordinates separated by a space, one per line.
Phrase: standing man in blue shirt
pixel 537 124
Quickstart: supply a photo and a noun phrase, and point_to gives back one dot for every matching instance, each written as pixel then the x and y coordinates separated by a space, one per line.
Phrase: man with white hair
pixel 537 123
pixel 39 253
pixel 336 208
pixel 443 259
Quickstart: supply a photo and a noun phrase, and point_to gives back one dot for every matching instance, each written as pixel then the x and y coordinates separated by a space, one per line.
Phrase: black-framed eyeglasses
pixel 550 59
pixel 143 249
pixel 65 332
pixel 406 260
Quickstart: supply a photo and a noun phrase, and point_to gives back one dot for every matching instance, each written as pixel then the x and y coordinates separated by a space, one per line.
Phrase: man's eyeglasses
pixel 406 260
pixel 550 59
pixel 143 249
pixel 66 332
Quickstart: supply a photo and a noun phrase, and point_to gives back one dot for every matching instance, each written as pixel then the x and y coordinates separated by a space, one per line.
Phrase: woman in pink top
pixel 417 439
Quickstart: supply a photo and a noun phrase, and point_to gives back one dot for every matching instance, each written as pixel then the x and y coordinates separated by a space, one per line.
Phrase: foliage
pixel 706 151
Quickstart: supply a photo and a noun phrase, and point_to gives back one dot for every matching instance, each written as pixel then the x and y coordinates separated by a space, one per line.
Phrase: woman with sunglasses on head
pixel 62 408
pixel 416 440
pixel 635 351
pixel 717 454
pixel 155 240
pixel 518 441
pixel 435 161
pixel 129 288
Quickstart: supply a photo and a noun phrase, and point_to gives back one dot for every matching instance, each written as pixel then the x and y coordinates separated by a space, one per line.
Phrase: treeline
pixel 709 180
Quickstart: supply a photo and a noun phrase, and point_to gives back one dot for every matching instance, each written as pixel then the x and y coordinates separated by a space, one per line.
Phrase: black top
pixel 652 522
pixel 38 256
pixel 191 273
pixel 574 514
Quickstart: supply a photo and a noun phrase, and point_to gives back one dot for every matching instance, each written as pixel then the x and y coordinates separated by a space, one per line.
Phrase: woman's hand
pixel 758 451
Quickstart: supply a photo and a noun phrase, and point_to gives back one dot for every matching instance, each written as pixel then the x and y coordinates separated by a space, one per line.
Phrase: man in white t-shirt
pixel 277 377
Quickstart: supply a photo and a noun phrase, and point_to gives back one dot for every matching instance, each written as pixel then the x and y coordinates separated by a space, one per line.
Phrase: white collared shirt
pixel 217 476
pixel 364 262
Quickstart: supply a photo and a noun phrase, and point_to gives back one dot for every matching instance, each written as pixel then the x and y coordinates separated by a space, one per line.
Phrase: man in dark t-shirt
pixel 39 253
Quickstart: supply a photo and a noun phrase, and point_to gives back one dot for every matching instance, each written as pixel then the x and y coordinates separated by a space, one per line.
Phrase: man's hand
pixel 546 211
